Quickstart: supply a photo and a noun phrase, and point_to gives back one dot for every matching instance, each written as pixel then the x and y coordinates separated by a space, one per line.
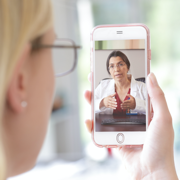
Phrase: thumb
pixel 87 95
pixel 157 97
pixel 112 95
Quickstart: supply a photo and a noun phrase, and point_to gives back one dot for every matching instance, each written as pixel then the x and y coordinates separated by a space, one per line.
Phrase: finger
pixel 157 98
pixel 130 97
pixel 112 101
pixel 127 101
pixel 112 95
pixel 112 106
pixel 87 95
pixel 88 125
pixel 125 106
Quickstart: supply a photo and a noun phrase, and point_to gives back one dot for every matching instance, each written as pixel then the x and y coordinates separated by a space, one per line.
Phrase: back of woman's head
pixel 21 22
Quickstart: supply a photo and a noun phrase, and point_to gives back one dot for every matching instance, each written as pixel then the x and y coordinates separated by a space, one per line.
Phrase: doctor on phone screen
pixel 114 96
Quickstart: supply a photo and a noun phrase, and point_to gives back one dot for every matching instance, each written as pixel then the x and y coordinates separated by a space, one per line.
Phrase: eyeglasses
pixel 64 54
pixel 112 67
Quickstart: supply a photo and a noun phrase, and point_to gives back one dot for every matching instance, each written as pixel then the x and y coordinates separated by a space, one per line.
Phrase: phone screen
pixel 120 85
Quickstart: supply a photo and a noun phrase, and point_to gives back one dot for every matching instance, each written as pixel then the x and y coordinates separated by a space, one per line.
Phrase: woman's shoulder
pixel 141 83
pixel 106 85
pixel 136 84
pixel 105 82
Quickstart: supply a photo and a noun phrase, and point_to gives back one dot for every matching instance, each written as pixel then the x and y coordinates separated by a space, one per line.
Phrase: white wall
pixel 64 131
pixel 136 58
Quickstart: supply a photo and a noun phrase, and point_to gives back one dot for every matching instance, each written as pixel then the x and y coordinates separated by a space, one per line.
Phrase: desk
pixel 118 127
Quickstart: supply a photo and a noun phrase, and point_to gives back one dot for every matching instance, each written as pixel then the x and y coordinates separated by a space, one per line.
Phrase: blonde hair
pixel 21 21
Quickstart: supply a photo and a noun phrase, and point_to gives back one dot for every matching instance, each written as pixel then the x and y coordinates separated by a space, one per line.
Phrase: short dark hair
pixel 116 54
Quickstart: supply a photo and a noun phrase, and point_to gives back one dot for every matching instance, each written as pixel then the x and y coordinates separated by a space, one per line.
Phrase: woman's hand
pixel 154 159
pixel 109 102
pixel 130 103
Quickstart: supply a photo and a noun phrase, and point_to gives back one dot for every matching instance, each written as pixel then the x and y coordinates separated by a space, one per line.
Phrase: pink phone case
pixel 92 78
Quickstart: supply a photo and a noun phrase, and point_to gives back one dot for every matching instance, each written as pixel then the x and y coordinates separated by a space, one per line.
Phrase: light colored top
pixel 107 87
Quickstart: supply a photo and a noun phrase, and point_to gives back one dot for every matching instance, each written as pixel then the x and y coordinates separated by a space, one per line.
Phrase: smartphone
pixel 120 63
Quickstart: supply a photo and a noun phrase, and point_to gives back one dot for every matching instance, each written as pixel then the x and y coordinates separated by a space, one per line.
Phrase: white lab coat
pixel 107 87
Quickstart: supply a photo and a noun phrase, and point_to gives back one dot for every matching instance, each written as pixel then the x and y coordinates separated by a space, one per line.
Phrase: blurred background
pixel 68 152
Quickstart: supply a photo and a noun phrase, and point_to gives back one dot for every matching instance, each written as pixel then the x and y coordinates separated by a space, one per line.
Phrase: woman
pixel 26 82
pixel 27 86
pixel 128 93
pixel 154 159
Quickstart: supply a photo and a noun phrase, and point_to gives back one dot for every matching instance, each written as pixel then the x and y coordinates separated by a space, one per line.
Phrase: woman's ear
pixel 17 89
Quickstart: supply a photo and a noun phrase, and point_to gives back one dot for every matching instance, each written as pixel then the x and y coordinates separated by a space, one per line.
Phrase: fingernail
pixel 153 79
